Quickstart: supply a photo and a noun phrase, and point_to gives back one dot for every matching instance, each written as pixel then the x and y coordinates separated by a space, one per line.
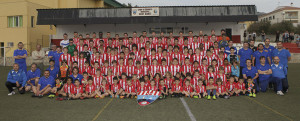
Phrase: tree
pixel 282 27
pixel 258 27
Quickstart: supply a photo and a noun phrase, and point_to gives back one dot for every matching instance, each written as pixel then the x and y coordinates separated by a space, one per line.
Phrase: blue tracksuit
pixel 21 62
pixel 279 76
pixel 264 78
pixel 17 76
pixel 32 74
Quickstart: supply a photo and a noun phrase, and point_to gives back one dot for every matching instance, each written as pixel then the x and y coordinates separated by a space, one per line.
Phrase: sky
pixel 261 5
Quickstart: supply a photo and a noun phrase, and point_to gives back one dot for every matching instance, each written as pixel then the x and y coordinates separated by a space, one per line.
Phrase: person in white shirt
pixel 38 57
pixel 65 41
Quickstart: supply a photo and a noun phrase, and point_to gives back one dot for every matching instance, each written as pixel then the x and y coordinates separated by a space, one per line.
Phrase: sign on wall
pixel 147 11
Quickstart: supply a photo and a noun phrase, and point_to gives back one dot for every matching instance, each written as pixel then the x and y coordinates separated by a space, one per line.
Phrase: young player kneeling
pixel 176 89
pixel 103 90
pixel 200 90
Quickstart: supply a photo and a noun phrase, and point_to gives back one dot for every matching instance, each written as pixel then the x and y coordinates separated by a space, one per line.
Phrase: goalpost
pixel 4 55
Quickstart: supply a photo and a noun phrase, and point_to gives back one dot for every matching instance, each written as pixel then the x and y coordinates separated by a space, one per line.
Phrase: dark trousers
pixel 10 86
pixel 241 73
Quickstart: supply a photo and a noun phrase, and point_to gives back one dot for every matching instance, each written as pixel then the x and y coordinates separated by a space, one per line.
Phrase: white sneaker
pixel 280 93
pixel 12 93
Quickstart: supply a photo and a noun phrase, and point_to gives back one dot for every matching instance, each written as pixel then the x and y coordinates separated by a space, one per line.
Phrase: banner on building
pixel 146 11
pixel 147 97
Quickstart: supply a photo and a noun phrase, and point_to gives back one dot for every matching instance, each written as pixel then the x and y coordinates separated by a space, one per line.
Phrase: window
pixel 32 21
pixel 185 30
pixel 273 17
pixel 15 21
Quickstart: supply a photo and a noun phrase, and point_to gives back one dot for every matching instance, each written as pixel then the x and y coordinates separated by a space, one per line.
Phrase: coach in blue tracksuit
pixel 259 53
pixel 16 78
pixel 56 56
pixel 264 71
pixel 279 76
pixel 244 54
pixel 250 71
pixel 20 55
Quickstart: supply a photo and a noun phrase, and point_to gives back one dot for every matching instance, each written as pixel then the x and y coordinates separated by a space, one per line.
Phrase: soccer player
pixel 68 89
pixel 200 90
pixel 221 90
pixel 129 90
pixel 65 56
pixel 240 87
pixel 33 76
pixel 176 89
pixel 188 89
pixel 163 88
pixel 104 89
pixel 211 88
pixel 115 88
pixel 230 86
pixel 89 89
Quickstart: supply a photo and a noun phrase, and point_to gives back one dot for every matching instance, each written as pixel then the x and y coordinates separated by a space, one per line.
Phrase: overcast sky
pixel 262 5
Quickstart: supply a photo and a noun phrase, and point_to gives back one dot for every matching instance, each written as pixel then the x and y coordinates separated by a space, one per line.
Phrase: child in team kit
pixel 188 89
pixel 200 90
pixel 230 86
pixel 63 71
pixel 89 89
pixel 240 87
pixel 250 87
pixel 129 90
pixel 152 86
pixel 104 89
pixel 221 90
pixel 67 90
pixel 115 88
pixel 77 91
pixel 176 89
pixel 163 88
pixel 211 89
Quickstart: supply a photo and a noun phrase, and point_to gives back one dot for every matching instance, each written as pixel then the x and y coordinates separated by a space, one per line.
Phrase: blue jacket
pixel 19 76
pixel 279 72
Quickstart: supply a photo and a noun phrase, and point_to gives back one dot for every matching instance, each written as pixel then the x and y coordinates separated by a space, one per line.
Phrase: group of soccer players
pixel 194 66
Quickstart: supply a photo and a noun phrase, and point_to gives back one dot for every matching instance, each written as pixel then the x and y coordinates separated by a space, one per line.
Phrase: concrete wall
pixel 237 29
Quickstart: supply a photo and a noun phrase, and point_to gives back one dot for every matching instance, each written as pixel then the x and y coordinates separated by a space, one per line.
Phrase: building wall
pixel 237 29
pixel 279 17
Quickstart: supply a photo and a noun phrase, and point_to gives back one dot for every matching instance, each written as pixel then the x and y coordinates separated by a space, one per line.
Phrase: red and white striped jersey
pixel 148 51
pixel 125 41
pixel 99 60
pixel 115 88
pixel 130 70
pixel 168 59
pixel 81 62
pixel 180 40
pixel 68 88
pixel 194 81
pixel 176 55
pixel 121 69
pixel 195 45
pixel 110 79
pixel 138 72
pixel 169 82
pixel 199 68
pixel 74 58
pixel 154 69
pixel 145 69
pixel 174 69
pixel 80 48
pixel 164 70
pixel 76 41
pixel 227 69
pixel 220 61
pixel 142 89
pixel 123 83
pixel 177 87
pixel 200 89
pixel 104 70
pixel 151 57
pixel 188 88
pixel 200 39
pixel 186 68
pixel 136 40
pixel 223 77
pixel 209 74
pixel 114 70
pixel 111 58
pixel 97 81
pixel 66 57
pixel 204 69
pixel 198 58
pixel 190 40
pixel 130 89
pixel 206 45
pixel 140 45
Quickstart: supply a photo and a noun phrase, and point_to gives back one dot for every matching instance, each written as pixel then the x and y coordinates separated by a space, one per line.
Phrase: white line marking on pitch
pixel 188 110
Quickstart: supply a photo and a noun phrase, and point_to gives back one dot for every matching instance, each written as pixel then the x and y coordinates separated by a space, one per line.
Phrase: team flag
pixel 147 97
